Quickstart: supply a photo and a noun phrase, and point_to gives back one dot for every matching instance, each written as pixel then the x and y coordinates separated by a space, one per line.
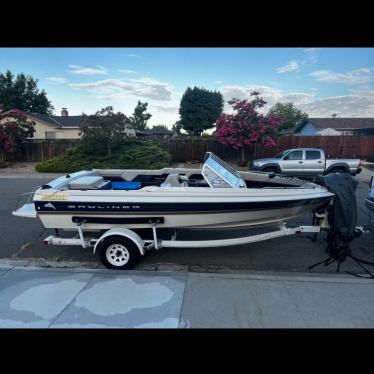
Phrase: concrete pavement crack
pixel 72 300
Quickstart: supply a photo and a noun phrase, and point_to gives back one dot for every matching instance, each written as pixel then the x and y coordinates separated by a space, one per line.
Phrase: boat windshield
pixel 218 174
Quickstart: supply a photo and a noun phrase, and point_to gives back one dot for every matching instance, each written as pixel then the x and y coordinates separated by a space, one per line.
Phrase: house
pixel 335 126
pixel 157 132
pixel 59 127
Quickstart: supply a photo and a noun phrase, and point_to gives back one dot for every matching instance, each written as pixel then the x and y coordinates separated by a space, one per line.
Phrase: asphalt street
pixel 22 238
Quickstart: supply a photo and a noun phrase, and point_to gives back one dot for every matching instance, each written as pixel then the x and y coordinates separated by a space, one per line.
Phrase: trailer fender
pixel 133 236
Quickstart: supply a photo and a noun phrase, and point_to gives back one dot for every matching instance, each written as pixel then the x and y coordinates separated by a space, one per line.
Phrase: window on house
pixel 50 135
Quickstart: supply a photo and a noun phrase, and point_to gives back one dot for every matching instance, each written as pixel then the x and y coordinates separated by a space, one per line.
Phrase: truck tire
pixel 270 169
pixel 118 252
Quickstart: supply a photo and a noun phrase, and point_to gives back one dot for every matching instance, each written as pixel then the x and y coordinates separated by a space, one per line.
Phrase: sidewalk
pixel 78 298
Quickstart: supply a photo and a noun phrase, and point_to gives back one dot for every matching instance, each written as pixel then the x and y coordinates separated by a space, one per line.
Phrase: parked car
pixel 305 161
pixel 369 201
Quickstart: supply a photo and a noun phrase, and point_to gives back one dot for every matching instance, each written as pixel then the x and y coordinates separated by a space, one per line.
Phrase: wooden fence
pixel 193 149
pixel 183 150
pixel 40 150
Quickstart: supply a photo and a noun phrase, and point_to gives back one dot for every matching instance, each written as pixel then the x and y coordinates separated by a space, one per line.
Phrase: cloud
pixel 270 94
pixel 311 50
pixel 311 55
pixel 359 103
pixel 355 105
pixel 167 109
pixel 144 87
pixel 357 76
pixel 133 55
pixel 88 71
pixel 56 79
pixel 298 98
pixel 362 91
pixel 218 82
pixel 312 59
pixel 126 71
pixel 291 66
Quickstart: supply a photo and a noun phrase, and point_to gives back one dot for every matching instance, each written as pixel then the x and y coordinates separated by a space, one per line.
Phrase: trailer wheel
pixel 118 252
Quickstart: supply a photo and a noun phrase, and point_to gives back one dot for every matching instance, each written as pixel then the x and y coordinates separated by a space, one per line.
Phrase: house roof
pixel 289 131
pixel 55 121
pixel 342 123
pixel 59 121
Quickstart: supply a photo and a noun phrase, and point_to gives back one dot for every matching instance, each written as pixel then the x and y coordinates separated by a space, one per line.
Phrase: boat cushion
pixel 89 183
pixel 126 185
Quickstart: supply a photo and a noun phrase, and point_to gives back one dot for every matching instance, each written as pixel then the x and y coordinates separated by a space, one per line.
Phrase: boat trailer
pixel 120 248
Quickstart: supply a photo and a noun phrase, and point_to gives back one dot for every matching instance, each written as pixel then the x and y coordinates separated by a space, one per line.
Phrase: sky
pixel 320 81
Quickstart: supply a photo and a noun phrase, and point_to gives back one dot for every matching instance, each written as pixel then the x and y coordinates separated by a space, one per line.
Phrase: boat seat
pixel 175 180
pixel 89 183
pixel 126 185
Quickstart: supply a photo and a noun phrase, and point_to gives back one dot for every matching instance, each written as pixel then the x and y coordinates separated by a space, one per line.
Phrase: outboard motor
pixel 342 217
pixel 342 214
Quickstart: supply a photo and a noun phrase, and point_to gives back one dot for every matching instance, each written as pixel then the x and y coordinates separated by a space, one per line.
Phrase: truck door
pixel 293 163
pixel 314 162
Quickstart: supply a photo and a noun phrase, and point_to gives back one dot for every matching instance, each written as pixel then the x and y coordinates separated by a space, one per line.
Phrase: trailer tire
pixel 118 252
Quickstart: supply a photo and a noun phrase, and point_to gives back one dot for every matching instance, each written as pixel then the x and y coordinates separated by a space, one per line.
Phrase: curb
pixel 78 265
pixel 175 270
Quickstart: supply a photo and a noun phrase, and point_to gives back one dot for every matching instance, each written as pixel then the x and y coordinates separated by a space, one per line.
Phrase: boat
pixel 216 196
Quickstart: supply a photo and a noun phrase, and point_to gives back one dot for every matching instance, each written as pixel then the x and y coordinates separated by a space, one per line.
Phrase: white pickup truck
pixel 305 161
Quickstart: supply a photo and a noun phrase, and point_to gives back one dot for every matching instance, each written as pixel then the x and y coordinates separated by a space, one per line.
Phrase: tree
pixel 177 127
pixel 199 109
pixel 140 117
pixel 290 115
pixel 334 115
pixel 103 131
pixel 247 126
pixel 14 129
pixel 22 93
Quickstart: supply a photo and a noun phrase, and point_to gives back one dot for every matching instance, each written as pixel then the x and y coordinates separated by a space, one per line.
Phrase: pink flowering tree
pixel 14 129
pixel 246 126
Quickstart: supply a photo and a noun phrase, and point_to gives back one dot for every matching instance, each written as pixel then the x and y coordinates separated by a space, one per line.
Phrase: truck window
pixel 295 155
pixel 312 155
pixel 280 155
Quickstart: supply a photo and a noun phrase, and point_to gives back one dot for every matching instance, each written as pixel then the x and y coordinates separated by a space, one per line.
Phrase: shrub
pixel 133 154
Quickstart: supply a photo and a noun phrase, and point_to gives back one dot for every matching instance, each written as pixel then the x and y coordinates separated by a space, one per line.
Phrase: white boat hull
pixel 179 208
pixel 200 220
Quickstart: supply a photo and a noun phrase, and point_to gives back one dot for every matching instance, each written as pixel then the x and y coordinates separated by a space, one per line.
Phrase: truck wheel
pixel 270 170
pixel 118 252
